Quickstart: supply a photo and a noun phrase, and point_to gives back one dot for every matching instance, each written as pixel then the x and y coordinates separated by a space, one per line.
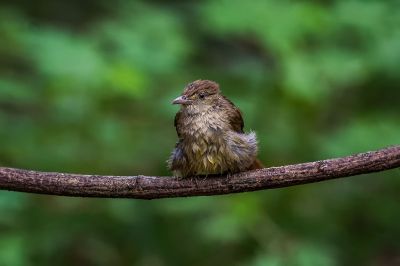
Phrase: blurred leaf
pixel 361 135
pixel 65 56
pixel 125 79
pixel 150 40
pixel 12 250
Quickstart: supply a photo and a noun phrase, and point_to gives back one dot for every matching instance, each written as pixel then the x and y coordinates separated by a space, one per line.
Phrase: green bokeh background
pixel 86 87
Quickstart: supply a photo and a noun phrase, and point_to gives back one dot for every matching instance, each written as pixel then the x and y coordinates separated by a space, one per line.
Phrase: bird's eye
pixel 202 95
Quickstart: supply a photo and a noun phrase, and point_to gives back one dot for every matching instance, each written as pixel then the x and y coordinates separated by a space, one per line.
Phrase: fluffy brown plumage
pixel 211 136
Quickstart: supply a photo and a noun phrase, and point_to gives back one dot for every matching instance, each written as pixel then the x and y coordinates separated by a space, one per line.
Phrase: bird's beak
pixel 181 100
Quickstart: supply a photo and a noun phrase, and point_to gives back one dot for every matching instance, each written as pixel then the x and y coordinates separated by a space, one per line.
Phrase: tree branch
pixel 148 187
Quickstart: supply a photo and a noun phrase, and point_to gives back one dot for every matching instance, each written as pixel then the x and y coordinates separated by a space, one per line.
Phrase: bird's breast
pixel 211 146
pixel 203 137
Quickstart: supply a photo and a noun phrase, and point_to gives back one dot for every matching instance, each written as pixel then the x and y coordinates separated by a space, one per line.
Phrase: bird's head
pixel 199 93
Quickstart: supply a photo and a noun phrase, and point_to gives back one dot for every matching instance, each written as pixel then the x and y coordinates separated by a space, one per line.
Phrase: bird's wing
pixel 176 122
pixel 235 117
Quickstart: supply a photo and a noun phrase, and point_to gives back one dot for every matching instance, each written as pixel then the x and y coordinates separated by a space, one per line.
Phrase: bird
pixel 211 140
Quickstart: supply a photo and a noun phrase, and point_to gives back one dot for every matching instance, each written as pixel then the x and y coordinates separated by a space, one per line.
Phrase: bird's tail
pixel 256 165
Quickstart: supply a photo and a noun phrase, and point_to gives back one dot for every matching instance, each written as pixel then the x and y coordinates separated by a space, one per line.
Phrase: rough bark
pixel 154 187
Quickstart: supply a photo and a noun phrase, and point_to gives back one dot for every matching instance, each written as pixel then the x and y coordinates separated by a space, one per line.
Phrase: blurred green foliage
pixel 86 87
